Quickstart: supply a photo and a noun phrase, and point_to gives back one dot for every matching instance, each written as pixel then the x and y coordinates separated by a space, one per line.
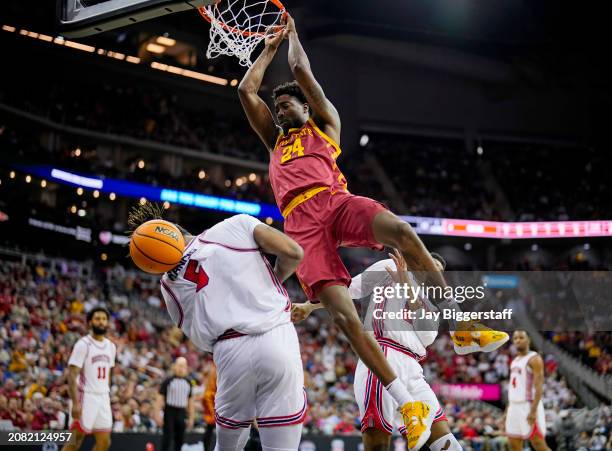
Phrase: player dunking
pixel 228 300
pixel 89 379
pixel 525 414
pixel 321 215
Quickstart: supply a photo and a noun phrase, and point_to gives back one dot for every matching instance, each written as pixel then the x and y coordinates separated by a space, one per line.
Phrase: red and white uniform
pixel 320 214
pixel 95 358
pixel 521 391
pixel 403 345
pixel 227 299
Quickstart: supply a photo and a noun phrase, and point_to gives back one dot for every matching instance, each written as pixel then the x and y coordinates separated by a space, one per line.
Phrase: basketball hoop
pixel 238 26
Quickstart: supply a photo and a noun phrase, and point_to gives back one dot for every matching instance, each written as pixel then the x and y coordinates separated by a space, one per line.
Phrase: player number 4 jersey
pixel 95 358
pixel 224 286
pixel 521 386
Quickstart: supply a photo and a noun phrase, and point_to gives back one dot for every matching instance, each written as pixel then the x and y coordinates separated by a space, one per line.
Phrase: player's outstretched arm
pixel 256 110
pixel 324 112
pixel 288 253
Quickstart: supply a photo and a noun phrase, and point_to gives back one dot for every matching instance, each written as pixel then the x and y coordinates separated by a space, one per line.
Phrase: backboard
pixel 79 18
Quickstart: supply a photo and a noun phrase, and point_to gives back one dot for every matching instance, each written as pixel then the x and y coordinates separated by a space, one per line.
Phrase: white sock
pixel 399 392
pixel 447 442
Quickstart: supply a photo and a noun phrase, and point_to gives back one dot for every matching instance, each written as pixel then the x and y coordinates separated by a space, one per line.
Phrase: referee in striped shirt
pixel 175 398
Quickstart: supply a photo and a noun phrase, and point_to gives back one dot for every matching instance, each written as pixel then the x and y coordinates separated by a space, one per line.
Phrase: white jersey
pixel 224 286
pixel 521 387
pixel 400 330
pixel 95 358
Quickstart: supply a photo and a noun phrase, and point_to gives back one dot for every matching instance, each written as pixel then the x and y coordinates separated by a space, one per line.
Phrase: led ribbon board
pixel 154 193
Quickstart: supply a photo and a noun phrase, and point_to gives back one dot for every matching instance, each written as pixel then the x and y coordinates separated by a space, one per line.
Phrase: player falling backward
pixel 89 379
pixel 404 343
pixel 525 418
pixel 321 215
pixel 227 298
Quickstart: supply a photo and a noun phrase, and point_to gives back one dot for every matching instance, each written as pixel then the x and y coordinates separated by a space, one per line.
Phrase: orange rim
pixel 204 14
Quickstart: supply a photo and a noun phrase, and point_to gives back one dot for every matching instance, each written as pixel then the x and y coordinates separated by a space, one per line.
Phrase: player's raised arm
pixel 256 110
pixel 324 112
pixel 288 253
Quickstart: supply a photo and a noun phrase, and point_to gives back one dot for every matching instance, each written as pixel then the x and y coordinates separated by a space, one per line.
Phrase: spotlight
pixel 202 174
pixel 28 178
pixel 112 196
pixel 364 140
pixel 141 164
pixel 80 191
pixel 43 183
pixel 96 193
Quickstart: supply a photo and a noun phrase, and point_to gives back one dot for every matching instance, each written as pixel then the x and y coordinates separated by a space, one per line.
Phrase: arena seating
pixel 43 305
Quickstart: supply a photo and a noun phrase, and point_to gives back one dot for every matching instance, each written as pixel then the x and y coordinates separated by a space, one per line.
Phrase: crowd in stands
pixel 592 349
pixel 43 305
pixel 435 177
pixel 545 182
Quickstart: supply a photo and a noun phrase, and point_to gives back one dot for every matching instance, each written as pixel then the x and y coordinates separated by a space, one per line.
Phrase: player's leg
pixel 231 439
pixel 83 426
pixel 517 428
pixel 76 440
pixel 442 438
pixel 516 444
pixel 376 417
pixel 342 310
pixel 280 399
pixel 538 434
pixel 344 315
pixel 391 231
pixel 375 440
pixel 284 438
pixel 103 441
pixel 363 222
pixel 235 397
pixel 103 423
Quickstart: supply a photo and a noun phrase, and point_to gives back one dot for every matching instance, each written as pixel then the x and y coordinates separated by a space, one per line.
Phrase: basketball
pixel 157 246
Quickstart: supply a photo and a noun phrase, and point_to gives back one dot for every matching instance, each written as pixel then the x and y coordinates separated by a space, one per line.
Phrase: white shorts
pixel 516 421
pixel 96 414
pixel 260 377
pixel 377 408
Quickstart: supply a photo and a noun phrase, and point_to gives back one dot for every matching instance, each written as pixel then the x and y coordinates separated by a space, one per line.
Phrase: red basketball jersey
pixel 305 158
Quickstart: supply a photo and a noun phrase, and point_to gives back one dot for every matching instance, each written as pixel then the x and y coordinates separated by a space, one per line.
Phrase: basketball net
pixel 238 26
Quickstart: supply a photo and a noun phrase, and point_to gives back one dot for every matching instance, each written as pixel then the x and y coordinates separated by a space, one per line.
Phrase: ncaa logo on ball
pixel 164 231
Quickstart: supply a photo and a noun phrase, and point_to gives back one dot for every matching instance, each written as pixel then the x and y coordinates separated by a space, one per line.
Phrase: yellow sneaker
pixel 417 419
pixel 476 337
